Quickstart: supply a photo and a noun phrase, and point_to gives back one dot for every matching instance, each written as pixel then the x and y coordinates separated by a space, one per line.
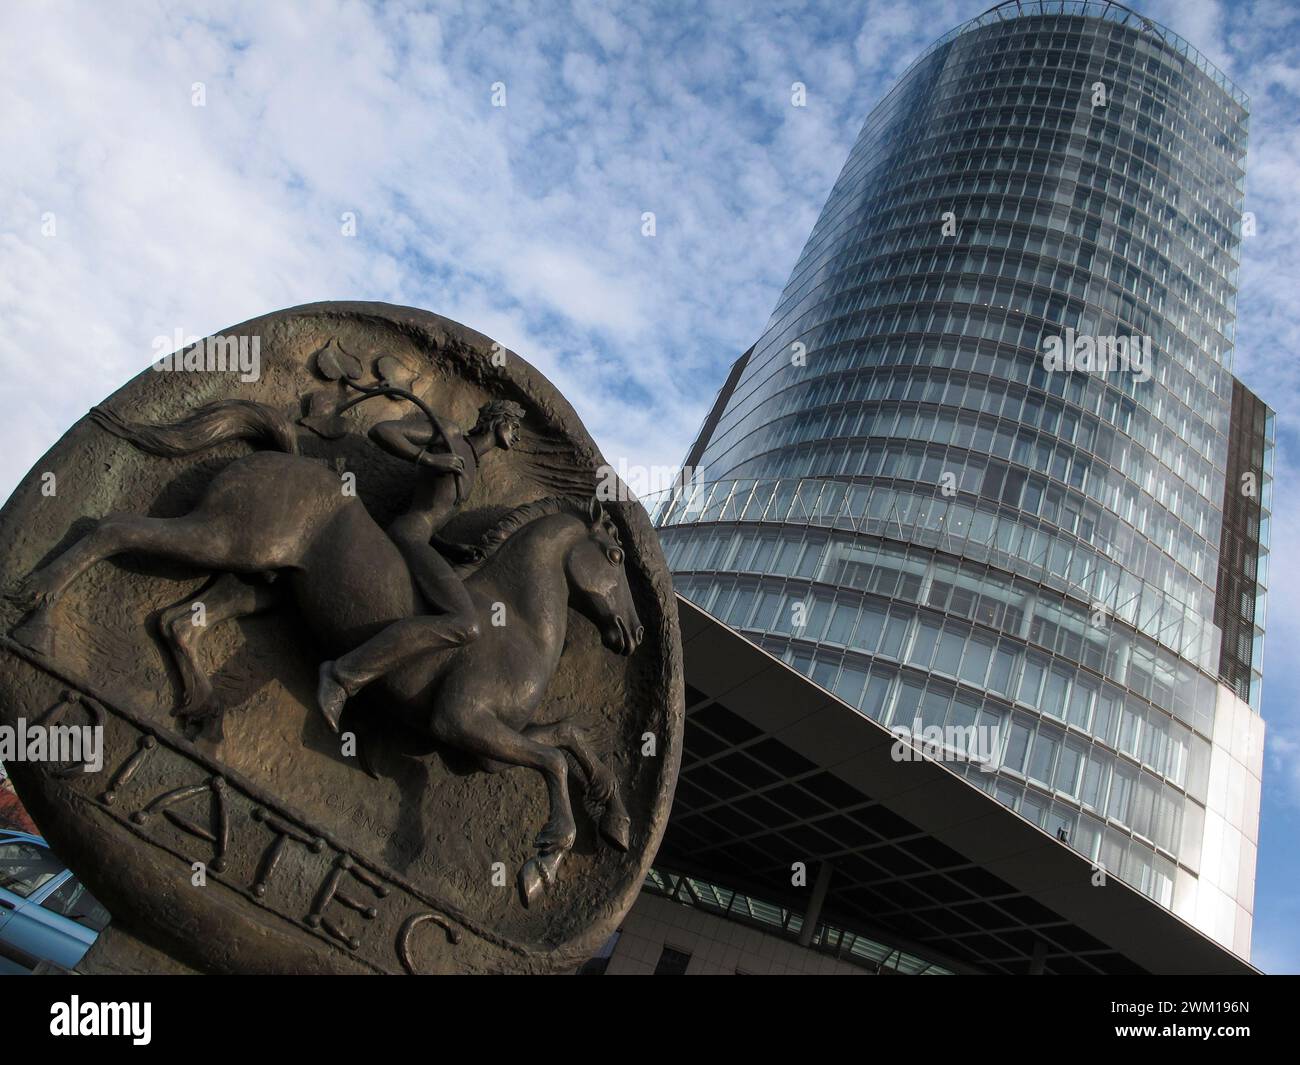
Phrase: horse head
pixel 598 587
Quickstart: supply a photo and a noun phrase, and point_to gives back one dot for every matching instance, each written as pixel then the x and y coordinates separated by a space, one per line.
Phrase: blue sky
pixel 525 221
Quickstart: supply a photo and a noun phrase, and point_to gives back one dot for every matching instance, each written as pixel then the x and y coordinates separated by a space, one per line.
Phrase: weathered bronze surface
pixel 351 630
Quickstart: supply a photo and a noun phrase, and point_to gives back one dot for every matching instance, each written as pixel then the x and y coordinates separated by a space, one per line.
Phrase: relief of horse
pixel 277 514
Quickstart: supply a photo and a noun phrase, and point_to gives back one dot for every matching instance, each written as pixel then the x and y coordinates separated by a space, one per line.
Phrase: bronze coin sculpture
pixel 382 685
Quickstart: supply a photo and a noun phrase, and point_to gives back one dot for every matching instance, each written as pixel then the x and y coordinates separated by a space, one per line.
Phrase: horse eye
pixel 615 556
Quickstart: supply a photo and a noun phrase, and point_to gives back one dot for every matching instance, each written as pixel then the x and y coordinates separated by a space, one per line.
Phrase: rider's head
pixel 500 420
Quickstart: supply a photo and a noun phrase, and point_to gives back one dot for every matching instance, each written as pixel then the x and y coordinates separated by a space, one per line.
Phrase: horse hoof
pixel 330 697
pixel 537 875
pixel 617 829
pixel 531 884
pixel 37 632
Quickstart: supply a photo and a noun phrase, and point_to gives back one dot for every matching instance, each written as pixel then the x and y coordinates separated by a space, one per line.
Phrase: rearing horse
pixel 276 512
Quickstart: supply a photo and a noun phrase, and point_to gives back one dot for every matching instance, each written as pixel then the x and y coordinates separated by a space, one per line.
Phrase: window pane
pixel 73 901
pixel 927 635
pixel 1081 696
pixel 841 627
pixel 849 686
pixel 976 662
pixel 1031 681
pixel 24 867
pixel 1017 746
pixel 873 699
pixel 1054 692
pixel 1121 794
pixel 948 654
pixel 1044 755
pixel 869 627
pixel 1003 671
pixel 895 630
pixel 1096 780
pixel 1068 765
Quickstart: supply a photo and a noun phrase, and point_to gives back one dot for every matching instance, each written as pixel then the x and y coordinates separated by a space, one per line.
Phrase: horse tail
pixel 233 419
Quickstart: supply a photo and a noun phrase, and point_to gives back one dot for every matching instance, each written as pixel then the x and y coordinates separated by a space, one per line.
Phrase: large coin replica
pixel 386 664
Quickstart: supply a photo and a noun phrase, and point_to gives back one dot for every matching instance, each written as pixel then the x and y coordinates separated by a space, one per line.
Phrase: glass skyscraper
pixel 900 493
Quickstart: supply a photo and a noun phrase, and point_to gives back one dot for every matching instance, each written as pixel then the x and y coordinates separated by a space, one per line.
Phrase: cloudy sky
pixel 127 212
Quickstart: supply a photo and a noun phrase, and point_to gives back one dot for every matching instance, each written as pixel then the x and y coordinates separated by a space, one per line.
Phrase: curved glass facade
pixel 902 492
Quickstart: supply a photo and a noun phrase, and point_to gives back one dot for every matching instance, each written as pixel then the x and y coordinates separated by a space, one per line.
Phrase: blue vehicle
pixel 46 913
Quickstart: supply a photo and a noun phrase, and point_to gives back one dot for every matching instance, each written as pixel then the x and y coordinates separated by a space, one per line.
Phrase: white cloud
pixel 174 216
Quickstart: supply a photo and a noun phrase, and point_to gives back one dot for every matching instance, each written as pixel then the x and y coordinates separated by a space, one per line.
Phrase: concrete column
pixel 814 912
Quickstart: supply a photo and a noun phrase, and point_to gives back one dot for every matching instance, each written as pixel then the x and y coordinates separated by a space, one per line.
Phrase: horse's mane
pixel 522 515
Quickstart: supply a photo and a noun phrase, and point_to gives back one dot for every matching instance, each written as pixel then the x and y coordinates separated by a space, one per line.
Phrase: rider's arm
pixel 404 438
pixel 411 439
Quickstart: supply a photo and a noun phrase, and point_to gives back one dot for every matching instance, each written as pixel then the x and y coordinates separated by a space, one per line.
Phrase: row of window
pixel 1054 777
pixel 1108 847
pixel 1103 194
pixel 1137 268
pixel 1182 336
pixel 1130 485
pixel 1181 329
pixel 900 515
pixel 1187 285
pixel 1201 161
pixel 1015 329
pixel 842 372
pixel 1119 291
pixel 968 471
pixel 1156 67
pixel 945 408
pixel 766 372
pixel 1188 244
pixel 1066 81
pixel 1205 172
pixel 1046 681
pixel 995 396
pixel 1215 226
pixel 1031 176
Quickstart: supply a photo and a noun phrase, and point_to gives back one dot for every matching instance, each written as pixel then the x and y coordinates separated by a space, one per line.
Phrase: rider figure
pixel 445 478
